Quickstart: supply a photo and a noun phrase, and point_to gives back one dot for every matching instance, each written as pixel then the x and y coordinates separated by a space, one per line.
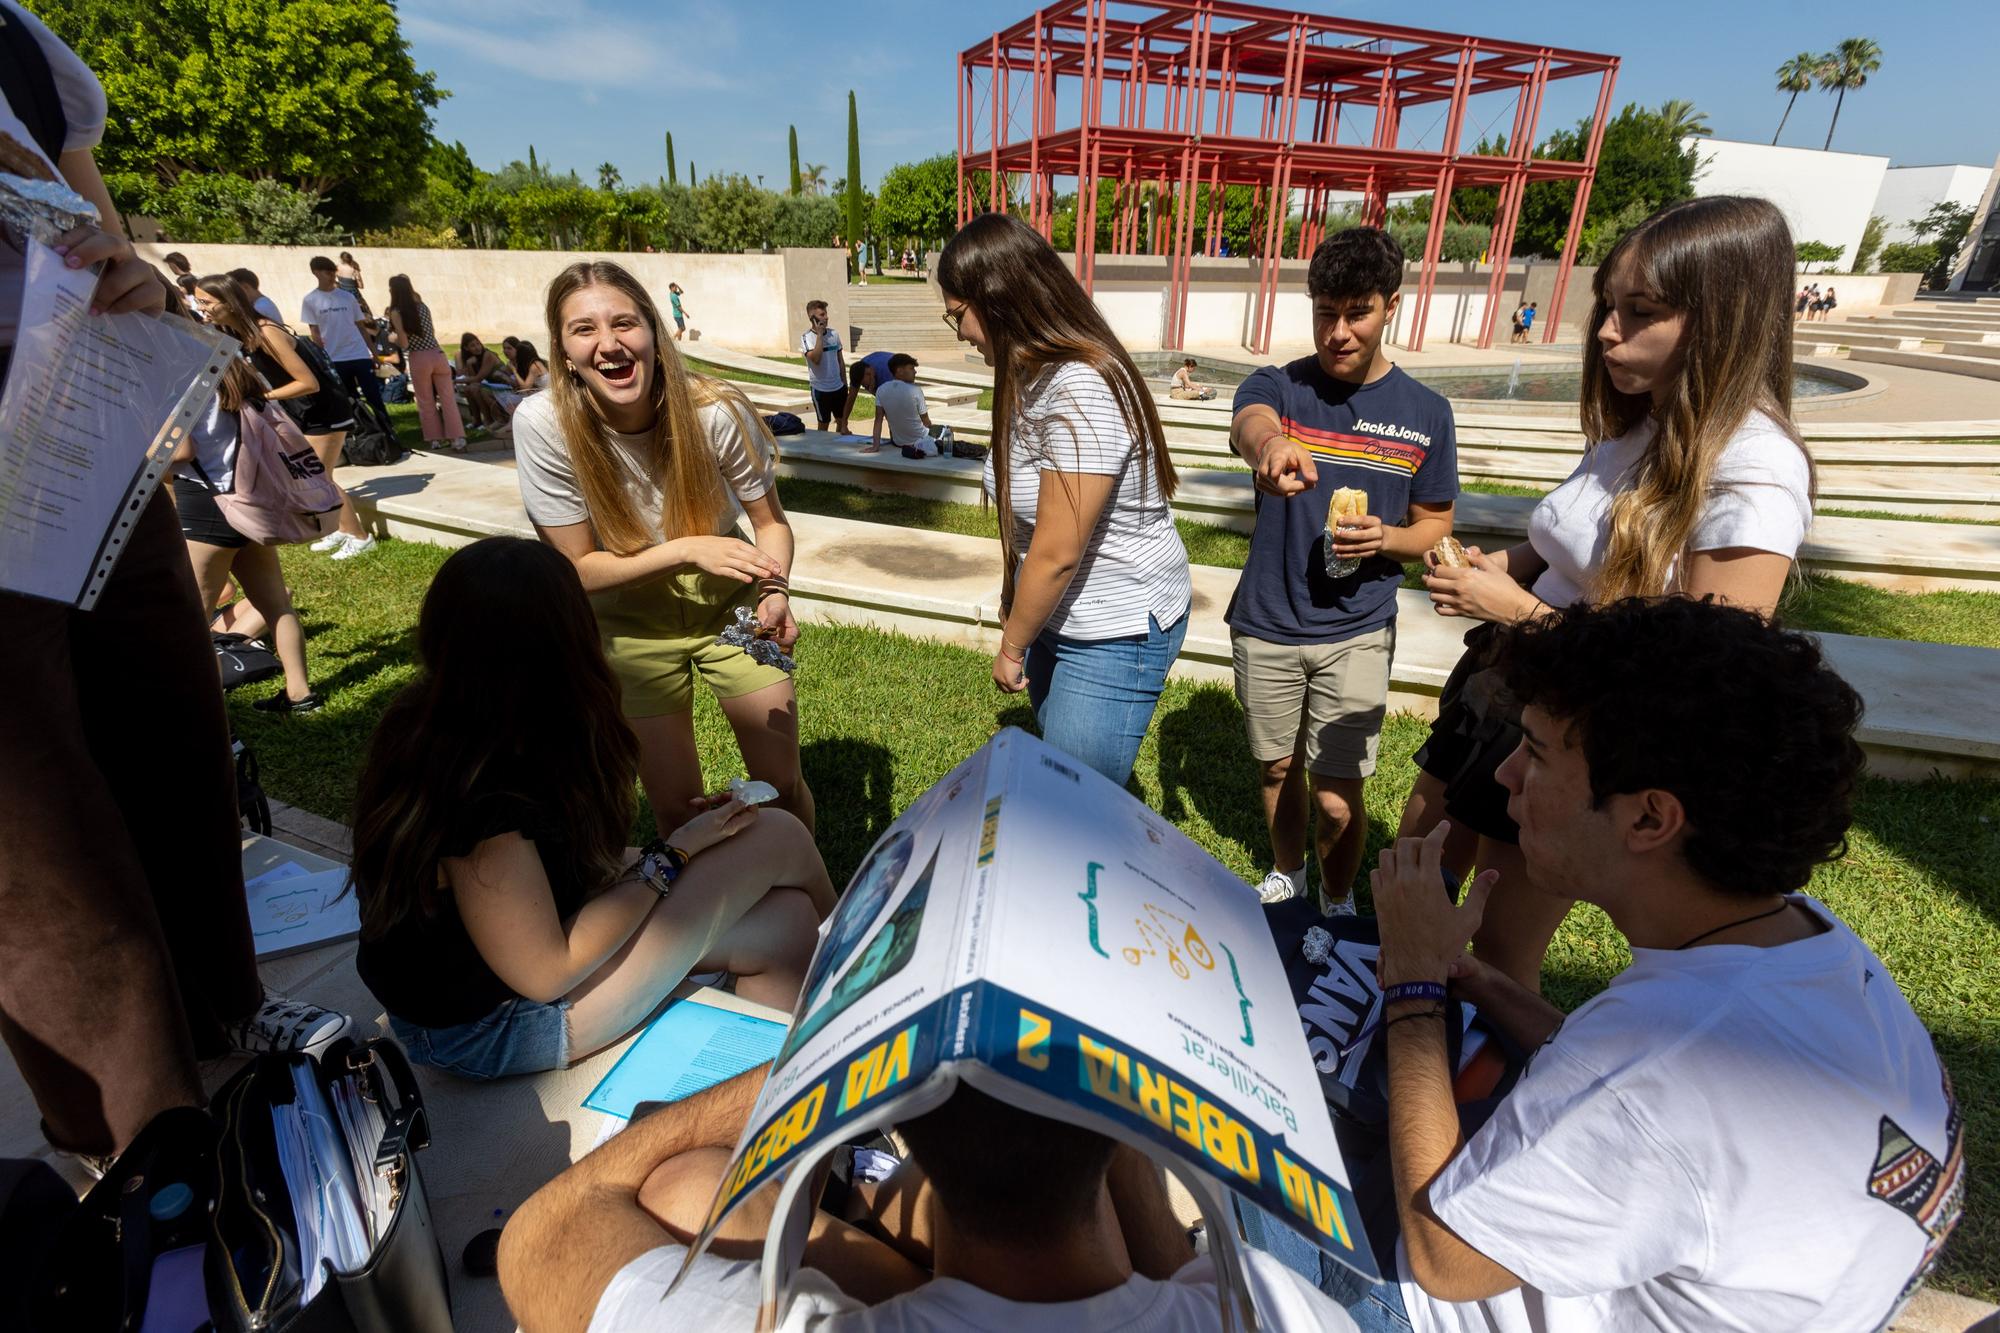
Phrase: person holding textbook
pixel 1694 482
pixel 1312 625
pixel 1095 591
pixel 639 472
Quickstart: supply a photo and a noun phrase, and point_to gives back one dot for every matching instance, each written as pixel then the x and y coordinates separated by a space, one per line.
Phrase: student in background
pixel 339 323
pixel 900 404
pixel 674 294
pixel 476 365
pixel 506 926
pixel 1095 590
pixel 263 305
pixel 429 371
pixel 1184 386
pixel 821 347
pixel 349 280
pixel 1528 322
pixel 529 369
pixel 862 377
pixel 323 411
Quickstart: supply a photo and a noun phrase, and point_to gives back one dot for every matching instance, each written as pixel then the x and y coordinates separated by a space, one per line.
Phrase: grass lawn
pixel 883 717
pixel 1816 602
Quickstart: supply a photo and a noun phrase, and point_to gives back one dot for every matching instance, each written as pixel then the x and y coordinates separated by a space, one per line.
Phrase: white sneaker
pixel 328 542
pixel 1276 888
pixel 1345 907
pixel 354 546
pixel 283 1024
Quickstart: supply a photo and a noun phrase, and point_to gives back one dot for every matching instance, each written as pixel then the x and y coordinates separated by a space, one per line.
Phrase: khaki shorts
pixel 659 635
pixel 1327 699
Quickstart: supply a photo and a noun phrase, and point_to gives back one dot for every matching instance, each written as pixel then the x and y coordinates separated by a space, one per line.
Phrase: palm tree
pixel 813 176
pixel 1849 67
pixel 1796 76
pixel 1683 121
pixel 607 176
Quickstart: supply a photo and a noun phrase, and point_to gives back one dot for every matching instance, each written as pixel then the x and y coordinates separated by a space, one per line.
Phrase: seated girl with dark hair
pixel 506 926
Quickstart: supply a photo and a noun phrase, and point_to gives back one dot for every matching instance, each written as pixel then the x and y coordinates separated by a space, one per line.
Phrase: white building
pixel 1824 196
pixel 1910 192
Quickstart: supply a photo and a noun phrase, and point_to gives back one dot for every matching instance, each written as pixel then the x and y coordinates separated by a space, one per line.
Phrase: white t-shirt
pixel 721 1296
pixel 335 313
pixel 214 439
pixel 1728 1138
pixel 268 308
pixel 549 490
pixel 82 100
pixel 903 404
pixel 828 375
pixel 1134 564
pixel 1761 500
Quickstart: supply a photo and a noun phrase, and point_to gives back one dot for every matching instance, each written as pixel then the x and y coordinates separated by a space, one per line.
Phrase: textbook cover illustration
pixel 1029 927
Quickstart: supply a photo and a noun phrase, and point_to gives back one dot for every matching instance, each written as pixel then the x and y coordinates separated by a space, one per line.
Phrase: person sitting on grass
pixel 1184 386
pixel 505 924
pixel 900 403
pixel 476 365
pixel 999 1219
pixel 1750 1128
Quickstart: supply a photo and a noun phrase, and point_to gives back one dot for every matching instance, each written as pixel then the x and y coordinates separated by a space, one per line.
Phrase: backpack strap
pixel 30 85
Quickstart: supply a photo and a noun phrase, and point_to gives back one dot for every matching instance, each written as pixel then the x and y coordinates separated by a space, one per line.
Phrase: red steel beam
pixel 1440 205
pixel 1578 209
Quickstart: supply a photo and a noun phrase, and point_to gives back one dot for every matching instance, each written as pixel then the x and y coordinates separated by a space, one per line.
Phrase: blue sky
pixel 591 81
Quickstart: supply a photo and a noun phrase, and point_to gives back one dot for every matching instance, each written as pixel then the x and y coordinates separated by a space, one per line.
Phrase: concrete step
pixel 1823 340
pixel 1928 704
pixel 1909 328
pixel 1969 349
pixel 1978 367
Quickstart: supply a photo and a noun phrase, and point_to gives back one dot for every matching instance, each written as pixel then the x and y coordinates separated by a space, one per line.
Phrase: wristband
pixel 660 864
pixel 1412 990
pixel 773 592
pixel 1003 655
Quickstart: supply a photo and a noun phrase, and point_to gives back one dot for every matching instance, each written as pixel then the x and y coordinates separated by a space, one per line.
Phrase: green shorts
pixel 659 635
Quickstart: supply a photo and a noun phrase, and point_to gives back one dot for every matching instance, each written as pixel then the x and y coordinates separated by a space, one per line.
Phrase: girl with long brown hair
pixel 1095 590
pixel 1694 482
pixel 324 412
pixel 505 924
pixel 639 471
pixel 410 328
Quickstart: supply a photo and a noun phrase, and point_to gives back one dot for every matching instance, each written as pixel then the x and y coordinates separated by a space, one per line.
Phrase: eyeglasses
pixel 954 318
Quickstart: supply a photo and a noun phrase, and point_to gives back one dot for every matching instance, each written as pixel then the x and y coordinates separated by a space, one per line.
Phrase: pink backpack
pixel 281 492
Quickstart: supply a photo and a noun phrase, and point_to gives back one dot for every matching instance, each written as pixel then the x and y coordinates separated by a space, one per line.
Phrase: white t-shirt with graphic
pixel 721 1296
pixel 1761 499
pixel 335 314
pixel 1727 1138
pixel 828 375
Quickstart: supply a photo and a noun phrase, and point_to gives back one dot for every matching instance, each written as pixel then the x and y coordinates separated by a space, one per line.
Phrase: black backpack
pixel 368 445
pixel 785 423
pixel 243 660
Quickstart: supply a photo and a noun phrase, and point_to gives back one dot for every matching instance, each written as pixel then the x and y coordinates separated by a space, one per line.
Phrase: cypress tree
pixel 797 186
pixel 853 173
pixel 672 178
pixel 693 180
pixel 534 169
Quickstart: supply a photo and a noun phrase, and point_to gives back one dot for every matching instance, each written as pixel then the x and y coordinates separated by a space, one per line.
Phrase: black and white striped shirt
pixel 1134 564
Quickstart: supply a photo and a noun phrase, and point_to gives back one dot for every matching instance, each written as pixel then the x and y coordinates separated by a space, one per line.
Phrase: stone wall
pixel 751 302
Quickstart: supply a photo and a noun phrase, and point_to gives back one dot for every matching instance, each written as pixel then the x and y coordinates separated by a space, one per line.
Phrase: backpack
pixel 368 445
pixel 316 361
pixel 785 423
pixel 243 660
pixel 281 492
pixel 251 804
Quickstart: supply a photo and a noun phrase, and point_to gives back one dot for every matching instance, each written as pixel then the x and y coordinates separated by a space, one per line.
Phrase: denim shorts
pixel 519 1037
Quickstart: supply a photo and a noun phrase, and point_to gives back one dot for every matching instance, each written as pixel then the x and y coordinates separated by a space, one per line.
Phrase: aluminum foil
pixel 1318 946
pixel 43 210
pixel 751 636
pixel 1338 567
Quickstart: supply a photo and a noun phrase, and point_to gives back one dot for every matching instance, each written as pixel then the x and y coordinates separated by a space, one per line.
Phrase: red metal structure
pixel 1146 94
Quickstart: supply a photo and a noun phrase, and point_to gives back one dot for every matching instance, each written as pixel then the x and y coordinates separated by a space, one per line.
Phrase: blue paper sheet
pixel 689 1047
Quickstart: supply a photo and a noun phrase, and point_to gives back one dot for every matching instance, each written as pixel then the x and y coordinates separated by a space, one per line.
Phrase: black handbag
pixel 195 1219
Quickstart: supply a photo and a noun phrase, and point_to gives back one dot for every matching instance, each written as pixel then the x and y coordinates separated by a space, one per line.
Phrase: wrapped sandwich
pixel 1346 503
pixel 1449 554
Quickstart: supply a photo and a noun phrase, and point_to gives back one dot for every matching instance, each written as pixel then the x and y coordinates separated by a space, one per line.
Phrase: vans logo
pixel 304 465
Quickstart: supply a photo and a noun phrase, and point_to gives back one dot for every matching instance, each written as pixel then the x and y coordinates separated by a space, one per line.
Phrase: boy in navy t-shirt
pixel 1311 650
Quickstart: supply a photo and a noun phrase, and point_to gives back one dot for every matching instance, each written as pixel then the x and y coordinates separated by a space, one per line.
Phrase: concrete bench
pixel 1929 705
pixel 1978 367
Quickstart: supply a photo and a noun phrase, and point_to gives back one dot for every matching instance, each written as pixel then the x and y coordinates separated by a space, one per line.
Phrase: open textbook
pixel 93 408
pixel 1030 928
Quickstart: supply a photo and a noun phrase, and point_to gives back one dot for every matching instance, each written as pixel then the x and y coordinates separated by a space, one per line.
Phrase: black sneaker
pixel 285 703
pixel 282 1024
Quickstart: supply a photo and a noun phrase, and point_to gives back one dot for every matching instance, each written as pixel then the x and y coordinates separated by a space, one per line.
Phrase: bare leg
pixel 669 766
pixel 1421 814
pixel 263 581
pixel 1521 917
pixel 1340 836
pixel 327 449
pixel 744 905
pixel 1282 784
pixel 766 723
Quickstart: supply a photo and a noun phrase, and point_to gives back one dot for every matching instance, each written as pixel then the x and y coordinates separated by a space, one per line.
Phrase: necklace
pixel 1731 925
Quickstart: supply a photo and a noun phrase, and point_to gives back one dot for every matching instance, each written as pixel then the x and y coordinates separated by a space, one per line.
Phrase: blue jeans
pixel 1094 698
pixel 1376 1307
pixel 519 1037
